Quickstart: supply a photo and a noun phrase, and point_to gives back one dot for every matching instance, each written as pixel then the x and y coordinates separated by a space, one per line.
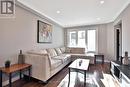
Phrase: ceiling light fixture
pixel 98 18
pixel 58 12
pixel 102 2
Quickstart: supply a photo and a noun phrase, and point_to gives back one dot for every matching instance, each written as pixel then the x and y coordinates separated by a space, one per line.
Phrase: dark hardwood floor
pixel 95 70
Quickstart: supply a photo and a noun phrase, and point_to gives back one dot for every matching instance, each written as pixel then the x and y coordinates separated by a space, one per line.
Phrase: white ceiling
pixel 78 12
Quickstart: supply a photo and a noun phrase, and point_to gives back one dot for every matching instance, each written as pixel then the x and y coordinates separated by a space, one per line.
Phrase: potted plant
pixel 7 64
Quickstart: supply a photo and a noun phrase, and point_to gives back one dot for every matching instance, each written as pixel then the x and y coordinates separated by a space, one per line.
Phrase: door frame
pixel 118 26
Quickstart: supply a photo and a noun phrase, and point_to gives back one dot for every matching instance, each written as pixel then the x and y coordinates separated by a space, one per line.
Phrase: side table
pixel 99 56
pixel 14 68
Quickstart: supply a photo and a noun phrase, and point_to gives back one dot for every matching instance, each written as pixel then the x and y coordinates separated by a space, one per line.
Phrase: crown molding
pixel 37 13
pixel 84 25
pixel 122 9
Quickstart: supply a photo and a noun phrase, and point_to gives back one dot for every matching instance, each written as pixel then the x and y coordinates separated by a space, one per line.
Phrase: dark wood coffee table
pixel 79 65
pixel 14 68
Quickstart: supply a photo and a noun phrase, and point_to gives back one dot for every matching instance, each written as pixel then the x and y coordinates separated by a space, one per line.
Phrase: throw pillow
pixel 58 51
pixel 62 49
pixel 52 52
pixel 68 50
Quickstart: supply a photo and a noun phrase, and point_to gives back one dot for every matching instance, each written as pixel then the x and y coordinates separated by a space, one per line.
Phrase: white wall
pixel 21 33
pixel 102 39
pixel 110 42
pixel 125 18
pixel 106 41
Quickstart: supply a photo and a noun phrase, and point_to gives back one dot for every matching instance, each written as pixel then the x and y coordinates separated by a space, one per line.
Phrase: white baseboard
pixel 7 81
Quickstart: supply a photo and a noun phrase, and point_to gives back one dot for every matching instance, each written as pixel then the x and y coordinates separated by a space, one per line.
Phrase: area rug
pixel 77 80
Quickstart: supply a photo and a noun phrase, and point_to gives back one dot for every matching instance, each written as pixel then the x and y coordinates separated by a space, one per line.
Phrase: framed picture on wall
pixel 44 32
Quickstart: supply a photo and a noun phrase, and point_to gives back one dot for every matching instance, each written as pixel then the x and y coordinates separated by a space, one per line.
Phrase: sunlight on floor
pixel 78 79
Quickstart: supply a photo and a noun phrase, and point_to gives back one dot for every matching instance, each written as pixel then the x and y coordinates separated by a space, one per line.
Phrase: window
pixel 82 38
pixel 72 38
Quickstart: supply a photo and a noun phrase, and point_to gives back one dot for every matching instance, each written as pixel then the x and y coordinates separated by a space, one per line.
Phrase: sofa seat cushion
pixel 78 55
pixel 82 55
pixel 55 63
pixel 63 57
pixel 52 52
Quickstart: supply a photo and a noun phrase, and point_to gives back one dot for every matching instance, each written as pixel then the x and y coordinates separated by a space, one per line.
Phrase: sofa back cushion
pixel 52 52
pixel 58 51
pixel 62 49
pixel 37 51
pixel 78 50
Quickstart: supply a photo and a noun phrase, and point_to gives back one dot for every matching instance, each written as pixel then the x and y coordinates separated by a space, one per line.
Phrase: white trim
pixel 122 9
pixel 7 81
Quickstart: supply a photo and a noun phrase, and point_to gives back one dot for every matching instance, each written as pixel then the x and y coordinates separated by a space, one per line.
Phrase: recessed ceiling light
pixel 102 1
pixel 57 12
pixel 98 18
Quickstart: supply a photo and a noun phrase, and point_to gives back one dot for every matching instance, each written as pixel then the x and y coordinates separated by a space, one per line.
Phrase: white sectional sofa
pixel 47 62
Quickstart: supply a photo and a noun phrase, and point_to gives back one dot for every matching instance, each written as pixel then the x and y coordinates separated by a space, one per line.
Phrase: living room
pixel 97 28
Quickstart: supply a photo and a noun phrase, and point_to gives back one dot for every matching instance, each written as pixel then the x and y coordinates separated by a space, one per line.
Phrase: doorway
pixel 118 39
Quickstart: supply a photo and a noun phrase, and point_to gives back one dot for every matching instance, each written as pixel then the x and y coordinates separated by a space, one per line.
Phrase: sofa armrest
pixel 40 65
